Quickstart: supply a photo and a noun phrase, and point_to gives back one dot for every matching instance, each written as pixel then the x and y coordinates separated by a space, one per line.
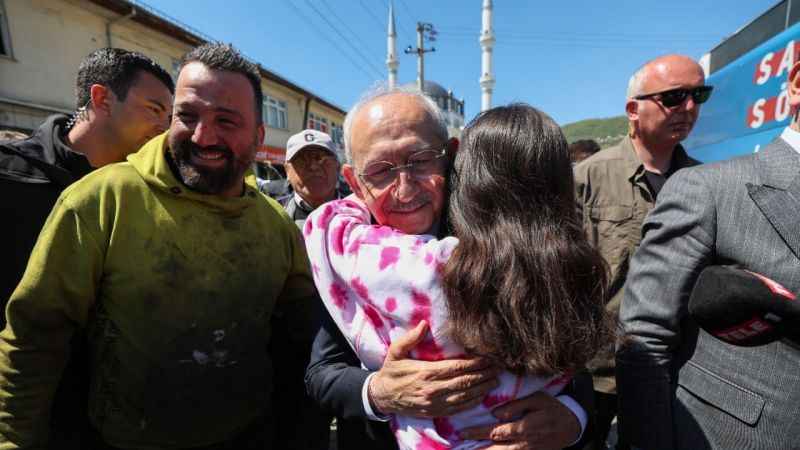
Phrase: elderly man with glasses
pixel 397 152
pixel 617 188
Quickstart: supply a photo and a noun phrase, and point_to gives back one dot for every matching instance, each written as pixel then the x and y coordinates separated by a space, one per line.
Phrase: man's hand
pixel 538 421
pixel 428 388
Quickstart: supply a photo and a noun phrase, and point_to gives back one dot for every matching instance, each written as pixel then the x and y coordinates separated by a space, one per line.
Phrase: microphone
pixel 744 308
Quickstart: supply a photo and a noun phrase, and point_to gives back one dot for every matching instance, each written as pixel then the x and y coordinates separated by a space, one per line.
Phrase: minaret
pixel 487 42
pixel 391 52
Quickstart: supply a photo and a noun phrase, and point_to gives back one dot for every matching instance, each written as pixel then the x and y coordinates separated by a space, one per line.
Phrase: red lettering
pixel 772 64
pixel 759 114
pixel 753 327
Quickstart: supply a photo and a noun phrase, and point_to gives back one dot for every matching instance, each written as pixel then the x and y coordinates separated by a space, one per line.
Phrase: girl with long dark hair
pixel 518 283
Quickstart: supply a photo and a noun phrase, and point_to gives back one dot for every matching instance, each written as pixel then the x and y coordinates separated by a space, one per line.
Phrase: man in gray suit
pixel 681 388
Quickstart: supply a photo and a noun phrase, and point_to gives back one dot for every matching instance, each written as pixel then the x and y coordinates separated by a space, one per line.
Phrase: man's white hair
pixel 438 123
pixel 636 81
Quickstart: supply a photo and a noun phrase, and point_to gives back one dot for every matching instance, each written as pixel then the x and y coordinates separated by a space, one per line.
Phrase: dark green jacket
pixel 613 198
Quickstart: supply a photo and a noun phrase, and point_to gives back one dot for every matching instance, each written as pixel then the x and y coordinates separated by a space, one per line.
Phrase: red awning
pixel 270 154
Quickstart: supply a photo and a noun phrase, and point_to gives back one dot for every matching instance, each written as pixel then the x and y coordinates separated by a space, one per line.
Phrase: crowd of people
pixel 497 290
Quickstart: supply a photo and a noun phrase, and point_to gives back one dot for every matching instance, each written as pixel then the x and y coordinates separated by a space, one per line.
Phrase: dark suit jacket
pixel 680 388
pixel 335 378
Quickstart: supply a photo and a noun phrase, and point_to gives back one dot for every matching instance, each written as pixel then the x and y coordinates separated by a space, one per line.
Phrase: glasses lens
pixel 673 98
pixel 378 174
pixel 425 163
pixel 701 94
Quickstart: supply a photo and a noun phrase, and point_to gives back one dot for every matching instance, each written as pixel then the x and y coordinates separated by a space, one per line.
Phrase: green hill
pixel 606 132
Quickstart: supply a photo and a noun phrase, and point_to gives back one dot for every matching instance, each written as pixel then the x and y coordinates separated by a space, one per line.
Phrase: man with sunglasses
pixel 617 188
pixel 397 152
pixel 680 387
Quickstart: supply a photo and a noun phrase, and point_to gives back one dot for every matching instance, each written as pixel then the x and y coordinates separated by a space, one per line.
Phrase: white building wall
pixel 49 38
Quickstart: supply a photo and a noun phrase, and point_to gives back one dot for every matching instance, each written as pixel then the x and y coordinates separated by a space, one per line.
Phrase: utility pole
pixel 424 31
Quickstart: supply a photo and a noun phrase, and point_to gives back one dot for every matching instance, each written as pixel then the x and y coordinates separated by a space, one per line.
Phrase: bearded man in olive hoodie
pixel 174 267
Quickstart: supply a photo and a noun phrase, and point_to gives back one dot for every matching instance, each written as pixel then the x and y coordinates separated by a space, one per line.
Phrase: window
pixel 337 134
pixel 275 114
pixel 5 35
pixel 317 123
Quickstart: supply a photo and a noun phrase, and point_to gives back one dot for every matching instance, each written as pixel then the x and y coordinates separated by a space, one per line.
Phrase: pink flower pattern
pixel 380 288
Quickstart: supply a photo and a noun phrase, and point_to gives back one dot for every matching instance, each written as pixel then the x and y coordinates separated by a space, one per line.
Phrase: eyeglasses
pixel 420 165
pixel 676 97
pixel 308 158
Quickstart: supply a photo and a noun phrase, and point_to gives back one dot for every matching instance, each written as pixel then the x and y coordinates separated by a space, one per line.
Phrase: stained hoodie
pixel 175 289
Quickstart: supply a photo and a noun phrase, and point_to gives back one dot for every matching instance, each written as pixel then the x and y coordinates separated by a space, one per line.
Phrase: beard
pixel 209 180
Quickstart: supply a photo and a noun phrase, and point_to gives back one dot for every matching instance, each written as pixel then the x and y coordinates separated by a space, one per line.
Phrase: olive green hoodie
pixel 175 290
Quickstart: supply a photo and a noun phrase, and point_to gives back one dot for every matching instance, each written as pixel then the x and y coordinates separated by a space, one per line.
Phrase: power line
pixel 345 39
pixel 455 27
pixel 378 21
pixel 589 45
pixel 408 10
pixel 408 35
pixel 573 40
pixel 665 37
pixel 501 36
pixel 350 29
pixel 305 19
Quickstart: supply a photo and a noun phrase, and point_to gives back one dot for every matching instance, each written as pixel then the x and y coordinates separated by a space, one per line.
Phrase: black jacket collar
pixel 43 157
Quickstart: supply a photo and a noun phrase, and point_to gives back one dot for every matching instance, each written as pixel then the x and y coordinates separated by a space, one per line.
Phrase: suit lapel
pixel 778 197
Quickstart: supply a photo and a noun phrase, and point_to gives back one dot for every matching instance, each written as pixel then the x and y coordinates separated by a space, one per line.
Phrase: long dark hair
pixel 524 286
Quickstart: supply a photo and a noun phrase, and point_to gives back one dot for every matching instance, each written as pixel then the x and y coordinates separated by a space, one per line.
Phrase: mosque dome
pixel 432 88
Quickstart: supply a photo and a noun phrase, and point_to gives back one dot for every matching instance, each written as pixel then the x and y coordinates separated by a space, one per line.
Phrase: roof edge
pixel 151 18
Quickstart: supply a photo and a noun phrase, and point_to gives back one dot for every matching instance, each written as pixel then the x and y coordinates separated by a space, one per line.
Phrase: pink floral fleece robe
pixel 378 283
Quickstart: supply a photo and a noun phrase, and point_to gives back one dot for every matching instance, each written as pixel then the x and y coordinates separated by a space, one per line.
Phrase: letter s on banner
pixel 764 70
pixel 757 113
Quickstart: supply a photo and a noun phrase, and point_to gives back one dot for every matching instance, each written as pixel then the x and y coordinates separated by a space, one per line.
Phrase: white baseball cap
pixel 309 138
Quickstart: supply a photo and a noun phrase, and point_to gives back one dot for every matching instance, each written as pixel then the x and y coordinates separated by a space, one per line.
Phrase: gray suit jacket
pixel 680 388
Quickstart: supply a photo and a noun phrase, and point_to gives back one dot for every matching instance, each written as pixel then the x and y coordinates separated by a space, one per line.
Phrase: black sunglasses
pixel 675 97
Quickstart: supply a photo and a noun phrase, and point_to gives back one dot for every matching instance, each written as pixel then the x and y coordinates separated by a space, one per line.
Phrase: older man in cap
pixel 312 167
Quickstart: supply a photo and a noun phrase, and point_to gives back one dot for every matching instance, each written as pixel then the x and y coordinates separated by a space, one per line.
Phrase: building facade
pixel 43 41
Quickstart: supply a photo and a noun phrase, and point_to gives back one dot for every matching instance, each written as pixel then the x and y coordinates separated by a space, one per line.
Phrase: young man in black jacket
pixel 123 100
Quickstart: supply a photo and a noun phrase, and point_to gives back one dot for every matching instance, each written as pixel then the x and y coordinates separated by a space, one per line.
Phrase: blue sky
pixel 572 59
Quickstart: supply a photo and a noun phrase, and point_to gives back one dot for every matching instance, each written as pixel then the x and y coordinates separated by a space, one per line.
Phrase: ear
pixel 349 174
pixel 452 147
pixel 794 85
pixel 101 99
pixel 632 109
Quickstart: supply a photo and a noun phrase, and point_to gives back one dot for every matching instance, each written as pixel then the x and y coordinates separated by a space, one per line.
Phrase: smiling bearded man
pixel 174 267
